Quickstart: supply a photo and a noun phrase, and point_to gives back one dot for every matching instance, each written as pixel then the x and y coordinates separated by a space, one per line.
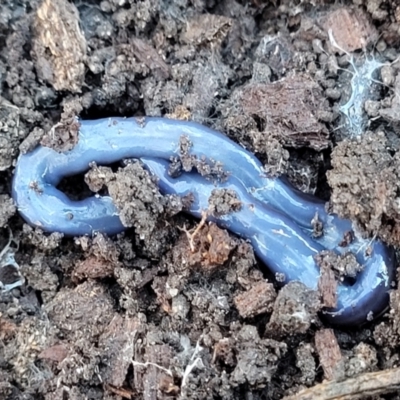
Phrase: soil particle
pixel 276 53
pixel 351 28
pixel 372 108
pixel 391 111
pixel 374 8
pixel 155 380
pixel 7 209
pixel 209 84
pixel 188 162
pixel 69 310
pixel 388 75
pixel 256 360
pixel 55 353
pixel 11 132
pixel 118 341
pixel 133 294
pixel 206 28
pixel 37 238
pixel 32 140
pixel 277 105
pixel 257 300
pixel 364 359
pixel 344 265
pixel 136 195
pixel 223 202
pixel 101 258
pixel 64 135
pixel 68 314
pixel 147 55
pixel 364 183
pixel 294 311
pixel 277 162
pixel 10 276
pixel 387 333
pixel 40 277
pixel 317 224
pixel 34 334
pixel 207 248
pixel 305 361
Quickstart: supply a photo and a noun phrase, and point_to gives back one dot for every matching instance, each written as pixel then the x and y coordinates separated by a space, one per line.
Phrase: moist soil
pixel 176 308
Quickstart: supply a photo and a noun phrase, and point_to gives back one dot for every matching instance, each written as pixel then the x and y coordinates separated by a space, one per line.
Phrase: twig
pixel 360 387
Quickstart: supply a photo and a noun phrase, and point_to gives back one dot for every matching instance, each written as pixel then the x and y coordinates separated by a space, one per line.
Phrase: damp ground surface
pixel 176 308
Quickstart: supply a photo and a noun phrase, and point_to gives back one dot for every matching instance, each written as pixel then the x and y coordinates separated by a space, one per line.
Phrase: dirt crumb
pixel 305 361
pixel 390 112
pixel 212 170
pixel 152 376
pixel 223 202
pixel 33 336
pixel 277 162
pixel 64 135
pixel 277 104
pixel 364 182
pixel 224 352
pixel 364 360
pixel 32 140
pixel 42 241
pixel 41 277
pixel 350 28
pixel 97 177
pixel 207 28
pixel 10 133
pixel 70 309
pixel 148 55
pixel 334 268
pixel 7 209
pixel 55 353
pixel 257 300
pixel 8 329
pixel 59 45
pixel 344 265
pixel 242 271
pixel 101 258
pixel 117 342
pixel 256 358
pixel 295 309
pixel 387 333
pixel 135 193
pixel 274 52
pixel 207 247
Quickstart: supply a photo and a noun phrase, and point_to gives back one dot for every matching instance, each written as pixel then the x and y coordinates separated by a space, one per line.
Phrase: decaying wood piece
pixel 59 45
pixel 360 387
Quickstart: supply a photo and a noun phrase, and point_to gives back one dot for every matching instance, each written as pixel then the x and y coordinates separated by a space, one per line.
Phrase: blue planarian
pixel 275 217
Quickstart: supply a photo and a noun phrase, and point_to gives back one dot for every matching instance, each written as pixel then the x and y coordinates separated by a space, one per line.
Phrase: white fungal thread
pixel 7 260
pixel 362 89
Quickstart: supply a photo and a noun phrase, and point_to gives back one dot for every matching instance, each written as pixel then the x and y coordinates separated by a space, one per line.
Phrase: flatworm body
pixel 275 217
